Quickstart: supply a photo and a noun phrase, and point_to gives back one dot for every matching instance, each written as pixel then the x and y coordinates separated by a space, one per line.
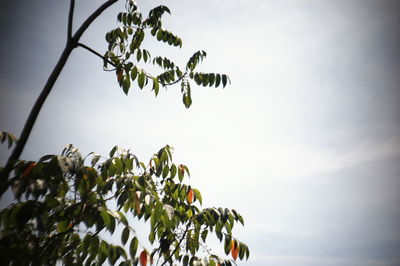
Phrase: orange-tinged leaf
pixel 190 196
pixel 28 170
pixel 234 249
pixel 120 75
pixel 181 169
pixel 143 258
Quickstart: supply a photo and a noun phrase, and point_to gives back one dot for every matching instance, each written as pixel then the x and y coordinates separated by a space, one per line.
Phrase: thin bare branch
pixel 94 52
pixel 70 19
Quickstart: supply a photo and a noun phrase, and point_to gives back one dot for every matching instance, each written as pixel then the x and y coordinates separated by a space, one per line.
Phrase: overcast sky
pixel 305 143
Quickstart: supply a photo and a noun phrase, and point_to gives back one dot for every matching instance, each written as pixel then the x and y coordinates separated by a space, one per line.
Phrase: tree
pixel 64 203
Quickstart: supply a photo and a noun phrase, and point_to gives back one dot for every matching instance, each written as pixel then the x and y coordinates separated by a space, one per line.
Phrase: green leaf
pixel 165 171
pixel 153 31
pixel 152 237
pixel 121 217
pixel 133 247
pixel 125 235
pixel 241 251
pixel 187 100
pixel 138 55
pixel 217 80
pixel 156 86
pixel 145 55
pixel 204 235
pixel 63 226
pixel 227 245
pixel 160 34
pixel 211 79
pixel 126 83
pixel 141 79
pixel 173 170
pixel 224 80
pixel 134 73
pixel 94 245
pixel 112 152
pixel 106 217
pixel 197 195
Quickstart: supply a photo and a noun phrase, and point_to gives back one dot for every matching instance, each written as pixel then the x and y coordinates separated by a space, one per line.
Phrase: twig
pixel 180 241
pixel 94 52
pixel 70 19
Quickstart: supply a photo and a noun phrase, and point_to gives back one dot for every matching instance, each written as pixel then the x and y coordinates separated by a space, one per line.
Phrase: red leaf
pixel 29 169
pixel 143 258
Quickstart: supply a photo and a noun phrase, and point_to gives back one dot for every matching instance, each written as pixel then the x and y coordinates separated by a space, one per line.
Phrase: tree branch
pixel 26 131
pixel 90 19
pixel 70 19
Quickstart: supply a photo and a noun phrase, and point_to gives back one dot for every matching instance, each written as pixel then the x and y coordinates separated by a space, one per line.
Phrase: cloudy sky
pixel 305 143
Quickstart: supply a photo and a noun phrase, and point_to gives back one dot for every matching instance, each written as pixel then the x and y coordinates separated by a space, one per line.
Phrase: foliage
pixel 125 53
pixel 65 203
pixel 9 137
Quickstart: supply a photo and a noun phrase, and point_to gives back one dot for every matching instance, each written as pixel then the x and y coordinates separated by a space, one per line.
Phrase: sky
pixel 305 142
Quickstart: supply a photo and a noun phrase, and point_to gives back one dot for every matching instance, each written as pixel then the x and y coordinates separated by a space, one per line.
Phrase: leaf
pixel 197 196
pixel 173 170
pixel 234 249
pixel 156 86
pixel 126 83
pixel 190 196
pixel 217 80
pixel 224 80
pixel 106 217
pixel 169 210
pixel 95 159
pixel 160 34
pixel 134 73
pixel 11 139
pixel 29 169
pixel 112 152
pixel 125 235
pixel 181 172
pixel 141 79
pixel 133 247
pixel 119 75
pixel 3 136
pixel 143 258
pixel 63 226
pixel 165 171
pixel 145 55
pixel 204 235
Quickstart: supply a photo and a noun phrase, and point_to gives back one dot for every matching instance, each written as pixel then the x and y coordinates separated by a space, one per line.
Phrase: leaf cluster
pixel 126 56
